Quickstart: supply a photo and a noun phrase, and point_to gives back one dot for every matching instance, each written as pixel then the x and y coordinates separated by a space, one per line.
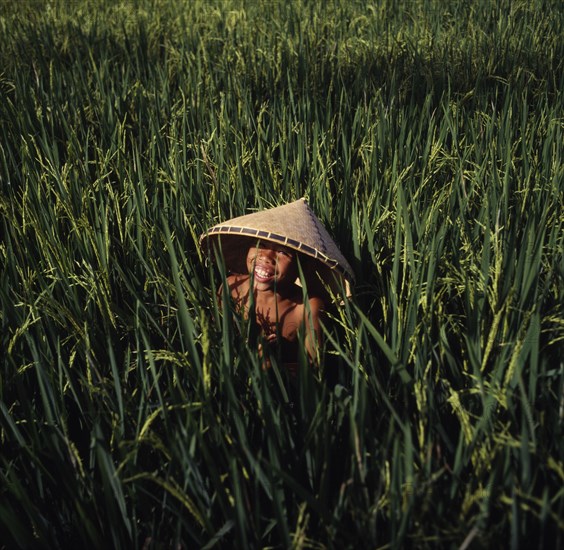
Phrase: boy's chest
pixel 284 321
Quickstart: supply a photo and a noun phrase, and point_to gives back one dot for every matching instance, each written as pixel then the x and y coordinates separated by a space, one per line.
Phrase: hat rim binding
pixel 320 279
pixel 229 240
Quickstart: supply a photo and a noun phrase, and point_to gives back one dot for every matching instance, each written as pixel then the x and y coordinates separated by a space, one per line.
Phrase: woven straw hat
pixel 293 225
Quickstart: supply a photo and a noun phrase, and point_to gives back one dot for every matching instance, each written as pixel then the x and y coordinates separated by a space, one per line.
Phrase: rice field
pixel 427 137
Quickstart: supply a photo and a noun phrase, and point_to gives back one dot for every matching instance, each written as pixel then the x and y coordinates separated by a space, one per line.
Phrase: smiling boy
pixel 263 253
pixel 279 306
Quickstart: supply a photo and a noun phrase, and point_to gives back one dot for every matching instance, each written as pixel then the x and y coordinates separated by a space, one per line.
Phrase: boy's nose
pixel 267 254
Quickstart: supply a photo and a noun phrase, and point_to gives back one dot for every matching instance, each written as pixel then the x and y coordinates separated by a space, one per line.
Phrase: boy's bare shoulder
pixel 235 278
pixel 238 284
pixel 316 304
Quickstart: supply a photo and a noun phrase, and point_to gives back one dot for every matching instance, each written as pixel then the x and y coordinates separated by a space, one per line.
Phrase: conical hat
pixel 293 225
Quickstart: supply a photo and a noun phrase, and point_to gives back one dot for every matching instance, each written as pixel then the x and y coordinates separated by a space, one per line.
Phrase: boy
pixel 261 251
pixel 279 307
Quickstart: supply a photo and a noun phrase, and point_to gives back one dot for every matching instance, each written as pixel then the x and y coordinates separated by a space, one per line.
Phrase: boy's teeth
pixel 262 273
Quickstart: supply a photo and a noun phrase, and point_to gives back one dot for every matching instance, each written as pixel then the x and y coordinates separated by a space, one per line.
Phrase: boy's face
pixel 271 264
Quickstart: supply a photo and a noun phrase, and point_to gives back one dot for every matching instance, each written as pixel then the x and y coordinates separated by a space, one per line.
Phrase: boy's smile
pixel 263 274
pixel 271 264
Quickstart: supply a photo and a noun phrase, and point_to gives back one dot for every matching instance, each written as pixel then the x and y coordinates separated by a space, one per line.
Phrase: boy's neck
pixel 273 293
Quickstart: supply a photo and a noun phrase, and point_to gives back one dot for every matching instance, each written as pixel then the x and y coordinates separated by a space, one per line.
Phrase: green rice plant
pixel 426 137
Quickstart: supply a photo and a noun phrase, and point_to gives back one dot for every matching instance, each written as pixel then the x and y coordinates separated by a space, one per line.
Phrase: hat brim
pixel 293 225
pixel 322 275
